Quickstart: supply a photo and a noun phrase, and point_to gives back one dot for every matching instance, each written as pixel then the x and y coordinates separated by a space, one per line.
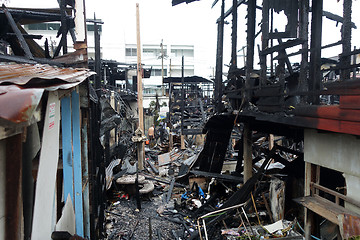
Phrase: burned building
pixel 301 103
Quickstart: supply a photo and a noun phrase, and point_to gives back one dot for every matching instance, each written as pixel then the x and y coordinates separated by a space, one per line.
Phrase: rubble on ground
pixel 177 196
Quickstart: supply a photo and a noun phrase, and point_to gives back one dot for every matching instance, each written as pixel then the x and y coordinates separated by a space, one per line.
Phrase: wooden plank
pixel 67 148
pixel 350 102
pixel 337 194
pixel 43 224
pixel 339 126
pixel 13 203
pixel 75 107
pixel 328 112
pixel 324 208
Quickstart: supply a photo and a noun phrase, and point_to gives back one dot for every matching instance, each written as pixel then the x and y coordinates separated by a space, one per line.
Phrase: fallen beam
pixel 224 177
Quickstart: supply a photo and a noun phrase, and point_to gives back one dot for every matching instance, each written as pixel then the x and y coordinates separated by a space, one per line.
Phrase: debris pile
pixel 192 193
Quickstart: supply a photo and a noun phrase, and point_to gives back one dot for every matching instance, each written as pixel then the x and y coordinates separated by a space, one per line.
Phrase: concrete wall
pixel 340 152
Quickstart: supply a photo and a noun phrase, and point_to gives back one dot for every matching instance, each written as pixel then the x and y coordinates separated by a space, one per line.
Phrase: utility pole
pixel 97 57
pixel 170 68
pixel 140 91
pixel 162 62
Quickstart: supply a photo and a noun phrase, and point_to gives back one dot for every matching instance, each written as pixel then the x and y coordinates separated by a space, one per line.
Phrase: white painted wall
pixel 2 188
pixel 340 152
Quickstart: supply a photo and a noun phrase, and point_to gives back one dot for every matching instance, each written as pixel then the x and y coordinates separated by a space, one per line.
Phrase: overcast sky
pixel 192 23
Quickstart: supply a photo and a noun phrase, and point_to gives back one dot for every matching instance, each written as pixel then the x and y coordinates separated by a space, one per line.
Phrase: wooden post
pixel 271 141
pixel 63 24
pixel 264 41
pixel 139 90
pixel 251 22
pixel 234 35
pixel 13 195
pixel 171 141
pixel 304 29
pixel 182 142
pixel 182 105
pixel 346 40
pixel 247 152
pixel 219 60
pixel 162 62
pixel 315 44
pixel 312 173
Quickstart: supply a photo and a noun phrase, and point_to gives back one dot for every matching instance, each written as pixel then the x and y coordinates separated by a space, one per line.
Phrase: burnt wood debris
pixel 269 152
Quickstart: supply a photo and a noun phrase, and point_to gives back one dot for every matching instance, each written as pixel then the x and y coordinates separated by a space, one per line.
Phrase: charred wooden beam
pixel 250 43
pixel 97 55
pixel 337 18
pixel 302 51
pixel 169 193
pixel 21 59
pixel 345 60
pixel 228 12
pixel 27 36
pixel 303 34
pixel 64 28
pixel 282 46
pixel 61 44
pixel 19 35
pixel 24 16
pixel 264 41
pixel 315 45
pixel 288 150
pixel 234 35
pixel 222 177
pixel 219 60
pixel 356 51
pixel 285 57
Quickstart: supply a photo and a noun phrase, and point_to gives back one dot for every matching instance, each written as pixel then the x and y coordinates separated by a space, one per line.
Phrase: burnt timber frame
pixel 296 98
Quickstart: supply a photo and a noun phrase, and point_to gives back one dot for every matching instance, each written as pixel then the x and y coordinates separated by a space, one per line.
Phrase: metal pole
pixel 141 146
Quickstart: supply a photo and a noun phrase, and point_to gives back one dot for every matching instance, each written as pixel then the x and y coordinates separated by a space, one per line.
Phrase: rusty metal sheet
pixel 16 104
pixel 349 226
pixel 22 86
pixel 45 75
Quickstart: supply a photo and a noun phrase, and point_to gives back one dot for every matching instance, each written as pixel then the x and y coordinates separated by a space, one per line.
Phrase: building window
pixel 153 52
pixel 130 52
pixel 182 52
pixel 157 72
pixel 44 26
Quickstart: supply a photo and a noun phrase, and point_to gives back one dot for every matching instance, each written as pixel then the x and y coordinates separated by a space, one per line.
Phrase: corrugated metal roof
pixel 21 74
pixel 22 86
